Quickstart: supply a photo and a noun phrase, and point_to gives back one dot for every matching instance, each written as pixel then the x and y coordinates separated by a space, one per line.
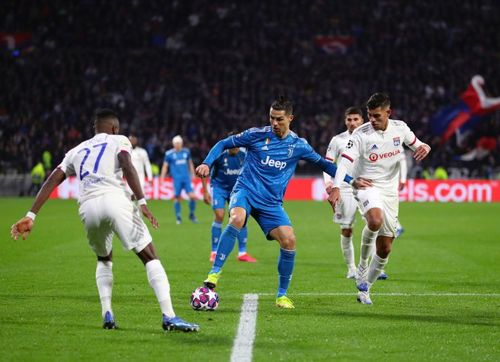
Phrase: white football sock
pixel 367 245
pixel 348 251
pixel 376 267
pixel 104 281
pixel 159 282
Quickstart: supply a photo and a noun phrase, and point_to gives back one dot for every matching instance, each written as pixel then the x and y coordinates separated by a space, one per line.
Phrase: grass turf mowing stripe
pixel 436 294
pixel 243 343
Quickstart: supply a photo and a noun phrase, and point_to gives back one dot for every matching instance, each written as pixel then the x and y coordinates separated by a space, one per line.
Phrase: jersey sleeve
pixel 353 148
pixel 410 139
pixel 330 156
pixel 246 138
pixel 308 153
pixel 66 165
pixel 124 145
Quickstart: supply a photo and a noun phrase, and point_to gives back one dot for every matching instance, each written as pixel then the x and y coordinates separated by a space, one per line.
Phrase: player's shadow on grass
pixel 459 319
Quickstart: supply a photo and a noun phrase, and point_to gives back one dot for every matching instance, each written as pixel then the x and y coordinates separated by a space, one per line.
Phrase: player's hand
pixel 148 215
pixel 329 187
pixel 21 228
pixel 362 183
pixel 207 199
pixel 202 170
pixel 421 152
pixel 334 197
pixel 401 185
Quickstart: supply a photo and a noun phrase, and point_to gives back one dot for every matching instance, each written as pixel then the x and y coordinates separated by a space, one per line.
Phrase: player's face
pixel 280 122
pixel 233 151
pixel 379 117
pixel 353 121
pixel 177 146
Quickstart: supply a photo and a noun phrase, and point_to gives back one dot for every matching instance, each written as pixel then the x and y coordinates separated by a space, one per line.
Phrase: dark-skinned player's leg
pixel 158 280
pixel 104 281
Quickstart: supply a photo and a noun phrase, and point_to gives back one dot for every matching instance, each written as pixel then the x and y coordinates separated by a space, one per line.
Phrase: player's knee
pixel 347 232
pixel 219 216
pixel 237 220
pixel 288 242
pixel 375 223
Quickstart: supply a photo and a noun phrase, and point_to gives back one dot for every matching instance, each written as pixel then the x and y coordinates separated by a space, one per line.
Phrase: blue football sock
pixel 286 262
pixel 192 206
pixel 177 208
pixel 242 240
pixel 216 231
pixel 226 245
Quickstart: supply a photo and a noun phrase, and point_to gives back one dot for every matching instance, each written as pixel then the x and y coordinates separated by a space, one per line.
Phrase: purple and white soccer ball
pixel 204 298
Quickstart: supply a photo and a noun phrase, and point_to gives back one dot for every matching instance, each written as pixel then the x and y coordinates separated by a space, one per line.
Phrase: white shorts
pixel 345 210
pixel 373 198
pixel 113 213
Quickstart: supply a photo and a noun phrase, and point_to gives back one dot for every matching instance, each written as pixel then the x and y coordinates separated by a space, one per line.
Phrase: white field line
pixel 243 343
pixel 429 294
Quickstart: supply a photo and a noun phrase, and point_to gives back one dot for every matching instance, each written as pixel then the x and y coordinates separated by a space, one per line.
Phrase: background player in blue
pixel 224 172
pixel 272 155
pixel 178 161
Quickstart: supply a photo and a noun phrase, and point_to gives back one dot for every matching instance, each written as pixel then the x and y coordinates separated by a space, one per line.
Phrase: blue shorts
pixel 268 217
pixel 181 183
pixel 219 197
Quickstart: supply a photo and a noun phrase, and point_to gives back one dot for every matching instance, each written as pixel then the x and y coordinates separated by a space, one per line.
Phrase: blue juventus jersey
pixel 270 161
pixel 226 169
pixel 178 162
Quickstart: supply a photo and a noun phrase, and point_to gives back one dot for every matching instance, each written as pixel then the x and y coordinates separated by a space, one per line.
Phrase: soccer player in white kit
pixel 140 160
pixel 345 211
pixel 377 147
pixel 105 208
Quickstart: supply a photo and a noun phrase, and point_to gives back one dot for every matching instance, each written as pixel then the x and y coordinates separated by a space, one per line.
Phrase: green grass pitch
pixel 49 308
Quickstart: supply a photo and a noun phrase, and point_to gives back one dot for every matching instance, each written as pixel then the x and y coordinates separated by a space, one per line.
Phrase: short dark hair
pixel 378 100
pixel 104 114
pixel 282 103
pixel 353 110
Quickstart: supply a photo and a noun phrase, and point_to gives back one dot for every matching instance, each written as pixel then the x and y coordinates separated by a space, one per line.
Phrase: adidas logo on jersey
pixel 280 165
pixel 374 147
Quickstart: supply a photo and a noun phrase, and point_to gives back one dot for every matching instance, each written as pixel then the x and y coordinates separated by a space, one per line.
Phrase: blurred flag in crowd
pixel 333 44
pixel 472 107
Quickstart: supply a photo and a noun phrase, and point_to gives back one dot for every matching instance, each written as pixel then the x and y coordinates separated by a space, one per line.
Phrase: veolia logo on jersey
pixel 280 165
pixel 373 157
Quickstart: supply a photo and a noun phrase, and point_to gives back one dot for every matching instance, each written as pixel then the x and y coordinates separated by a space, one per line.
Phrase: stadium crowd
pixel 201 69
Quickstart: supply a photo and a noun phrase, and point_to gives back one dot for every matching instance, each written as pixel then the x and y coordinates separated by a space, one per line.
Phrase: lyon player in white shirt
pixel 345 211
pixel 376 147
pixel 105 209
pixel 140 160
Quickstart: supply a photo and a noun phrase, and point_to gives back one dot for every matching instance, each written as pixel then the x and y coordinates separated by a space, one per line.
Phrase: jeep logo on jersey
pixel 280 165
pixel 232 171
pixel 374 157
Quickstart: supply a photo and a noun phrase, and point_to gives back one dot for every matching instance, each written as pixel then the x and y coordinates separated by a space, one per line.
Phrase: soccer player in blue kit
pixel 272 155
pixel 178 161
pixel 224 172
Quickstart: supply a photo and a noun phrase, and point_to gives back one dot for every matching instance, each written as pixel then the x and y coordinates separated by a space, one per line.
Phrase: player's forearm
pixel 164 170
pixel 331 169
pixel 55 178
pixel 341 173
pixel 133 181
pixel 204 184
pixel 130 174
pixel 217 150
pixel 149 171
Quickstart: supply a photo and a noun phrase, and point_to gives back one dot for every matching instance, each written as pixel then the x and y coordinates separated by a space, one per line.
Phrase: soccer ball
pixel 204 298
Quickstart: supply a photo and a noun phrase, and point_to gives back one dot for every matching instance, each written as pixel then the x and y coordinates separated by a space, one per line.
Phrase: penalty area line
pixel 243 343
pixel 429 294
